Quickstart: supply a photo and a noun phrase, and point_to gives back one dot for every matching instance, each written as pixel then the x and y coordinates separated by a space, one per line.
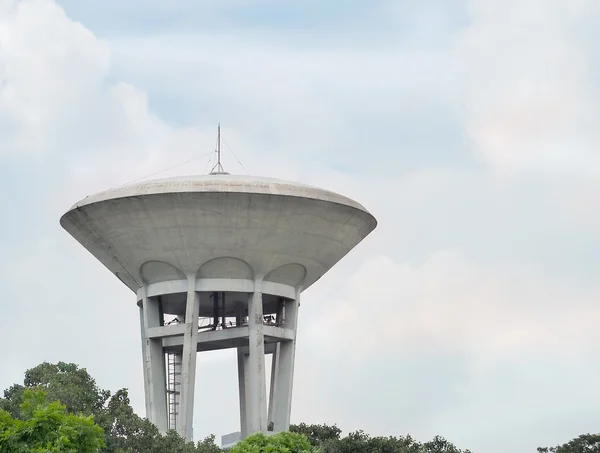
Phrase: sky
pixel 469 128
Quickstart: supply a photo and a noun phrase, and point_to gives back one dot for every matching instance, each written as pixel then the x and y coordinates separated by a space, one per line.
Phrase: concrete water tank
pixel 218 261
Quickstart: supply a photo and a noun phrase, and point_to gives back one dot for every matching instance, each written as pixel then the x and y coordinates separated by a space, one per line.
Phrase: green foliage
pixel 327 440
pixel 285 442
pixel 586 443
pixel 208 445
pixel 358 442
pixel 125 431
pixel 440 445
pixel 47 428
pixel 73 387
pixel 64 382
pixel 317 434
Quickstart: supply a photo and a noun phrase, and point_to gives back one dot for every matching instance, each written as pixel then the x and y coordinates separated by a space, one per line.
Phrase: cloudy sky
pixel 469 128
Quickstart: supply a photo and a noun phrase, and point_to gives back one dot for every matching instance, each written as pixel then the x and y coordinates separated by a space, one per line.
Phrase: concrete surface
pixel 166 229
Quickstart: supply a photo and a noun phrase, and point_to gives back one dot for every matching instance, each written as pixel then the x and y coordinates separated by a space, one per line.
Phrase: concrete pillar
pixel 188 360
pixel 144 368
pixel 273 387
pixel 286 351
pixel 256 389
pixel 242 361
pixel 154 366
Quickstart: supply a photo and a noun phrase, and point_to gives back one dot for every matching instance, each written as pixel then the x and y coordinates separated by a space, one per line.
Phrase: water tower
pixel 218 261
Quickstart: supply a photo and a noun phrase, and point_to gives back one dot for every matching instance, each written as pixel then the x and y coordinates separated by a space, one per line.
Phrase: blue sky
pixel 469 129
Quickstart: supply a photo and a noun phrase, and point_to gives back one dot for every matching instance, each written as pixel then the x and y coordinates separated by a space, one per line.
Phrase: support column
pixel 280 319
pixel 144 368
pixel 282 404
pixel 154 366
pixel 256 390
pixel 273 388
pixel 242 360
pixel 188 360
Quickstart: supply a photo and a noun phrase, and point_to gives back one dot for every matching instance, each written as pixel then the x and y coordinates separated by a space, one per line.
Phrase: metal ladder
pixel 173 388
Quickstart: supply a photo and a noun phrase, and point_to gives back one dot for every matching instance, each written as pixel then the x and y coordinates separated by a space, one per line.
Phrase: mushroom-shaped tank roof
pixel 220 183
pixel 184 222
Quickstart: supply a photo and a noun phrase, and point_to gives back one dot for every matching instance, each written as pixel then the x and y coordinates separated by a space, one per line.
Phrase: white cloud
pixel 454 305
pixel 453 347
pixel 296 104
pixel 48 66
pixel 59 104
pixel 56 99
pixel 528 86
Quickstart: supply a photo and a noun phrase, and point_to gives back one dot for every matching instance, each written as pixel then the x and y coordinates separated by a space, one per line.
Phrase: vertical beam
pixel 155 372
pixel 188 360
pixel 222 310
pixel 280 320
pixel 242 360
pixel 273 387
pixel 256 389
pixel 286 352
pixel 215 303
pixel 147 391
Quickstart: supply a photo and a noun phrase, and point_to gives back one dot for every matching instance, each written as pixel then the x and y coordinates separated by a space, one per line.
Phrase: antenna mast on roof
pixel 218 168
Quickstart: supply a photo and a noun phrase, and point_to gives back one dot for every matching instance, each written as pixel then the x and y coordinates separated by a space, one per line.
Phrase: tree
pixel 283 442
pixel 441 445
pixel 317 434
pixel 328 440
pixel 208 445
pixel 64 382
pixel 125 432
pixel 585 443
pixel 360 442
pixel 47 428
